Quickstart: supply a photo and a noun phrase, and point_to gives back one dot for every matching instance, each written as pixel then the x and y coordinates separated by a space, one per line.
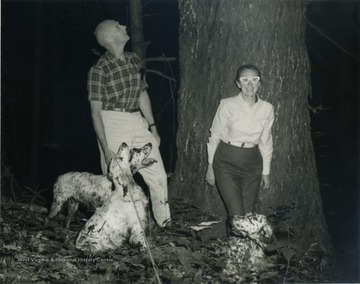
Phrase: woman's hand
pixel 210 176
pixel 265 181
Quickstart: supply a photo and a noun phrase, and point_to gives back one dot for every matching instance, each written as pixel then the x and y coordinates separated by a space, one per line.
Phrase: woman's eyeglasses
pixel 253 80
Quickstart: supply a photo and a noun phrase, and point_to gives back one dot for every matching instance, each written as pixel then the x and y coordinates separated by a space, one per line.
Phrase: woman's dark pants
pixel 238 177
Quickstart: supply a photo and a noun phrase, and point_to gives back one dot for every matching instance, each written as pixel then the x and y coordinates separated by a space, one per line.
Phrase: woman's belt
pixel 241 144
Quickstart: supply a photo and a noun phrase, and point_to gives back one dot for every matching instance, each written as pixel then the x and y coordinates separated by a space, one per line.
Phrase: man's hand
pixel 155 133
pixel 108 156
pixel 210 176
pixel 145 107
pixel 265 181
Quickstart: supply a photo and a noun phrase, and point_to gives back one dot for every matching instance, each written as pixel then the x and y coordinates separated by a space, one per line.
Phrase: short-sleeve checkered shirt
pixel 116 83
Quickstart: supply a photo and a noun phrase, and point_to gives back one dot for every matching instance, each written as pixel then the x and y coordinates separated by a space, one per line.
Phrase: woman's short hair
pixel 247 67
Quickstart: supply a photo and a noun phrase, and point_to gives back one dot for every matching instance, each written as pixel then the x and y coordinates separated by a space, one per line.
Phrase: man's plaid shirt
pixel 117 84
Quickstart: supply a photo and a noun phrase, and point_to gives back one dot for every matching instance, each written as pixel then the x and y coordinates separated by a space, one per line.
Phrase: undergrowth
pixel 32 253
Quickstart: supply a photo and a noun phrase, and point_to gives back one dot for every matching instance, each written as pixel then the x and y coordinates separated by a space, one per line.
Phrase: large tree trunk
pixel 216 37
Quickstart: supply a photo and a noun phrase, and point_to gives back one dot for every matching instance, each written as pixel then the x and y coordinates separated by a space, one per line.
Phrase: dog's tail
pixel 62 191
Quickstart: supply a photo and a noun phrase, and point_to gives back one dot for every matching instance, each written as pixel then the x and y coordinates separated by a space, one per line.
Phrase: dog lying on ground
pixel 123 215
pixel 89 189
pixel 245 248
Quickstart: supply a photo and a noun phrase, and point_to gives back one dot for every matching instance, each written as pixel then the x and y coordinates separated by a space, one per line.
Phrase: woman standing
pixel 240 146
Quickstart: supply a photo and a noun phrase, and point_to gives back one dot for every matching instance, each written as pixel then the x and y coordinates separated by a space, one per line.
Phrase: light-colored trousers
pixel 132 128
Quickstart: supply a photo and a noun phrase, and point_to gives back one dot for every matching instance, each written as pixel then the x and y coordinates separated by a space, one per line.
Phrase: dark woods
pixel 46 131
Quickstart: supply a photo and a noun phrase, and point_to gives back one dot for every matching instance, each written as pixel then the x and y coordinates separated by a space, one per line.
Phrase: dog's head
pixel 126 163
pixel 138 158
pixel 119 169
pixel 252 225
pixel 120 163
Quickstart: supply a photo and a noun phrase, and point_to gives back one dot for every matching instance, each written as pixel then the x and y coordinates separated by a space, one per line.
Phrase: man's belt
pixel 126 109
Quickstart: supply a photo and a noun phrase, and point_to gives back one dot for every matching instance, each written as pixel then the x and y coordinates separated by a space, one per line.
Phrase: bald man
pixel 121 111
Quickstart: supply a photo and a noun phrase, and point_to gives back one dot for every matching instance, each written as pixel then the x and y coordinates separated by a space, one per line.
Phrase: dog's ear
pixel 147 149
pixel 131 152
pixel 145 163
pixel 148 162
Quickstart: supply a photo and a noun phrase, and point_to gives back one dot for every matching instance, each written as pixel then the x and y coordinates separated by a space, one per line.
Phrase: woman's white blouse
pixel 237 122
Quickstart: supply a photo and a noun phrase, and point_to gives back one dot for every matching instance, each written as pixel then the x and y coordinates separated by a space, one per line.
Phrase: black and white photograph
pixel 180 141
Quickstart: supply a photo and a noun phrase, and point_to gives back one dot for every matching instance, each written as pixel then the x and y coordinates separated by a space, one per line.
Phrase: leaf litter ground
pixel 32 253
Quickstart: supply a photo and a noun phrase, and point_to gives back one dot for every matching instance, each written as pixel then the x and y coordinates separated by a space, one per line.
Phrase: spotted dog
pixel 89 189
pixel 123 215
pixel 245 248
pixel 138 158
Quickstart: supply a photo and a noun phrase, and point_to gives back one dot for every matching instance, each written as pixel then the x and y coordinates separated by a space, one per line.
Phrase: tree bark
pixel 137 33
pixel 217 37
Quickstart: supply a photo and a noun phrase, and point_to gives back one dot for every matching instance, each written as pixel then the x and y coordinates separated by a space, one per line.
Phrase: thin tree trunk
pixel 137 33
pixel 216 37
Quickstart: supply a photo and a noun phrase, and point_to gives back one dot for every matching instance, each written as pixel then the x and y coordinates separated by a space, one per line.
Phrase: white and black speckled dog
pixel 245 248
pixel 89 189
pixel 122 217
